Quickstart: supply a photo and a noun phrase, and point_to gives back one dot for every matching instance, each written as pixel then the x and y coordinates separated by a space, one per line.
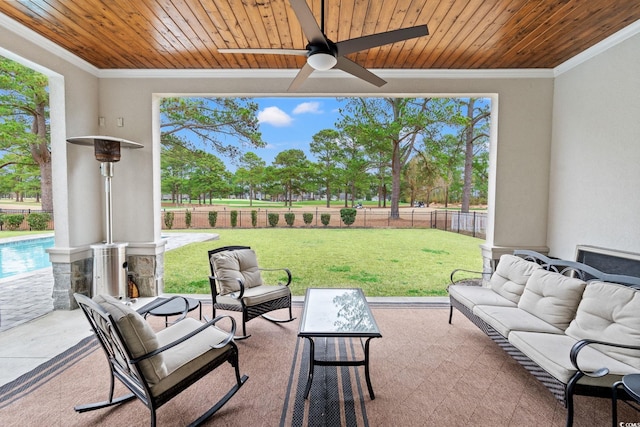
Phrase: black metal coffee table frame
pixel 331 325
pixel 176 307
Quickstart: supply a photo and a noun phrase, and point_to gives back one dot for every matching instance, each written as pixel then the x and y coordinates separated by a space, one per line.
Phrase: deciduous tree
pixel 24 116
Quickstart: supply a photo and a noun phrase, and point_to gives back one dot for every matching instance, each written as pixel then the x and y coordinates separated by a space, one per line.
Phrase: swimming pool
pixel 23 256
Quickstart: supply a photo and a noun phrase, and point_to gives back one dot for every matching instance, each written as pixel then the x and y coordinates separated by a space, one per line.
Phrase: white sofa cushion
pixel 552 297
pixel 551 353
pixel 470 296
pixel 511 275
pixel 233 265
pixel 609 312
pixel 507 319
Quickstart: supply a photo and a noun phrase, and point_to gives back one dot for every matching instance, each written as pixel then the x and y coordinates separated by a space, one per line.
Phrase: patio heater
pixel 109 259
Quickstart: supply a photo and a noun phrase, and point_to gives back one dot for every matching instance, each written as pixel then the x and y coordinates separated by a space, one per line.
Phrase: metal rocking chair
pixel 237 285
pixel 154 366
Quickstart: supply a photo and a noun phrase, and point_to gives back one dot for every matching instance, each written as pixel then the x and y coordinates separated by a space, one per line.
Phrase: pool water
pixel 23 256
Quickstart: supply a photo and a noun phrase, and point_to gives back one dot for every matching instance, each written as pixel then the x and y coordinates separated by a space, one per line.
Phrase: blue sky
pixel 288 123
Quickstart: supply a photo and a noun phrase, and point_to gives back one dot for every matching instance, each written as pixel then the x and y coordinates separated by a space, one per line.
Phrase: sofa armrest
pixel 469 281
pixel 577 347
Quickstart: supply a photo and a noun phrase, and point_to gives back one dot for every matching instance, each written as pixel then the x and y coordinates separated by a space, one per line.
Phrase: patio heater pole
pixel 109 259
pixel 106 168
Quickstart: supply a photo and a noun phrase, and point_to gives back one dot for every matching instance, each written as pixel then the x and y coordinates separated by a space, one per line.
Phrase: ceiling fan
pixel 323 54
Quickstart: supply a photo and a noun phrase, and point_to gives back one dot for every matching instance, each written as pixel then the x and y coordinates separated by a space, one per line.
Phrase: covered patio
pixel 564 150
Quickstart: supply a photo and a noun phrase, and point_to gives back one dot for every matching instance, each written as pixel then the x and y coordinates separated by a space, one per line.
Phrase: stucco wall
pixel 595 159
pixel 521 148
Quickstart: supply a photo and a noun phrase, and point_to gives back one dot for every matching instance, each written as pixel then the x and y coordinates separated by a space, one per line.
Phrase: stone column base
pixel 77 276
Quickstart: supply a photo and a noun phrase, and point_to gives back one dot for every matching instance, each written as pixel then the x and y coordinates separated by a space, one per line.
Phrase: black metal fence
pixel 472 223
pixel 25 220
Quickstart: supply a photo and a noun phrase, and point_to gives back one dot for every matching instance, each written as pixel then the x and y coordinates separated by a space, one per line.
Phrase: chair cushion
pixel 507 319
pixel 511 275
pixel 138 335
pixel 470 296
pixel 233 265
pixel 609 312
pixel 552 297
pixel 551 353
pixel 257 295
pixel 190 356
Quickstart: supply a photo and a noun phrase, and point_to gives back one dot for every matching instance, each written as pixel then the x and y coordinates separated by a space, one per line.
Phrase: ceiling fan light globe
pixel 322 61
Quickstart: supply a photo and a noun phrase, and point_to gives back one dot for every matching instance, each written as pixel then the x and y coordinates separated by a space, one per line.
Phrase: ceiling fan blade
pixel 367 42
pixel 300 77
pixel 310 27
pixel 300 52
pixel 351 67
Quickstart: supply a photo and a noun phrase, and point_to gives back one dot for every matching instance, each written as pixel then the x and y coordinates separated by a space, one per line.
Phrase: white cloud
pixel 275 117
pixel 308 107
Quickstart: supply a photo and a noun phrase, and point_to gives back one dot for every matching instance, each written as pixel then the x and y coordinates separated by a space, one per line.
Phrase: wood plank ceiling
pixel 185 34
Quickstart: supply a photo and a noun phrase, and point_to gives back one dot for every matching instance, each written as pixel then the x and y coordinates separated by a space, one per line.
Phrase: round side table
pixel 176 307
pixel 631 385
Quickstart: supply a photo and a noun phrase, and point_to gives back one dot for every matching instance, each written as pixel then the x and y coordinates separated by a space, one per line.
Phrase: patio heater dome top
pixel 106 148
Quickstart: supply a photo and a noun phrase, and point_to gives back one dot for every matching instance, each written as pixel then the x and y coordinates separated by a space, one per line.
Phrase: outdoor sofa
pixel 576 329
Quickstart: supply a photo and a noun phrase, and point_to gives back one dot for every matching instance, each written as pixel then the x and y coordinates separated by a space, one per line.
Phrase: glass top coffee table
pixel 338 313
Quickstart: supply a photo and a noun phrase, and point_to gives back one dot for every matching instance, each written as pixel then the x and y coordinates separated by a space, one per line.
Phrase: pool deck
pixel 31 332
pixel 28 296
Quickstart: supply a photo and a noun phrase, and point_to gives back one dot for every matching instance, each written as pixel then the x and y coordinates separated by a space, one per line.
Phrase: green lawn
pixel 384 262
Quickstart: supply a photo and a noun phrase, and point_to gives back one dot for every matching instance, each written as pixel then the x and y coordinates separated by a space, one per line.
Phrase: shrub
pixel 273 219
pixel 213 217
pixel 168 220
pixel 187 218
pixel 290 217
pixel 13 221
pixel 348 215
pixel 38 220
pixel 234 218
pixel 254 218
pixel 307 218
pixel 325 218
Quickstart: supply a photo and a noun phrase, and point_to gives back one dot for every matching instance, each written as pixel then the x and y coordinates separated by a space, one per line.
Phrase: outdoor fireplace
pixel 109 258
pixel 609 260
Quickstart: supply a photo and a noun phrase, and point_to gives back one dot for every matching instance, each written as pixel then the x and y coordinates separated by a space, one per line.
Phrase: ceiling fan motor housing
pixel 322 56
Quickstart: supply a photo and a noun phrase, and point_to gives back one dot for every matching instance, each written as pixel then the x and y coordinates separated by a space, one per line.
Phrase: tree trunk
pixel 328 195
pixel 46 187
pixel 395 175
pixel 42 156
